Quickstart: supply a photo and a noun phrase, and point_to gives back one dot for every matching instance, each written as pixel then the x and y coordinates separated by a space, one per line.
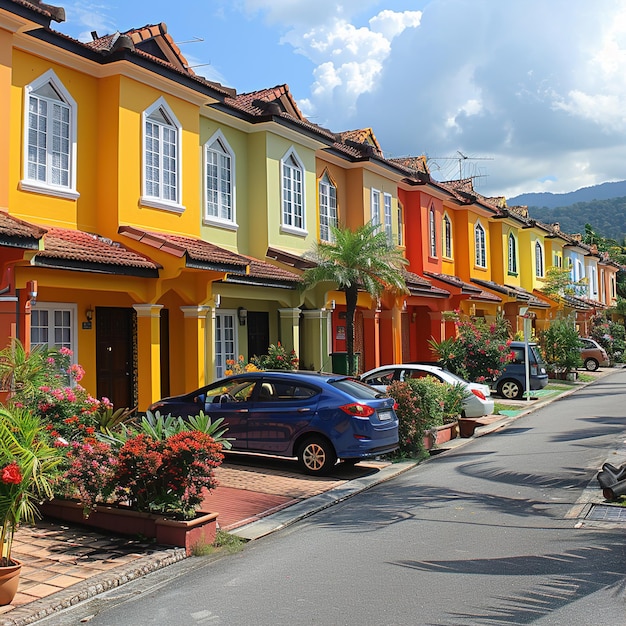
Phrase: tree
pixel 559 282
pixel 362 259
pixel 561 344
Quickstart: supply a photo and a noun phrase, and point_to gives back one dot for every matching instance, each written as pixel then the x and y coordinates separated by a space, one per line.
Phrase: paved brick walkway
pixel 61 562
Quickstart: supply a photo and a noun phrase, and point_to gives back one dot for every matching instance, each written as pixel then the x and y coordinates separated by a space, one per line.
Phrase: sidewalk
pixel 64 565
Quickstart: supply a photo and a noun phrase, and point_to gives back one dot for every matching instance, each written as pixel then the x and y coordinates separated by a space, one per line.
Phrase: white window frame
pixel 539 265
pixel 432 232
pixel 293 194
pixel 162 199
pixel 328 208
pixel 53 308
pixel 480 245
pixel 400 225
pixel 447 236
pixel 593 283
pixel 388 217
pixel 512 254
pixel 219 155
pixel 64 102
pixel 226 347
pixel 375 208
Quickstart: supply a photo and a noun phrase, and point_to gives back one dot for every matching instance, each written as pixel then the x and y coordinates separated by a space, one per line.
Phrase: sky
pixel 523 95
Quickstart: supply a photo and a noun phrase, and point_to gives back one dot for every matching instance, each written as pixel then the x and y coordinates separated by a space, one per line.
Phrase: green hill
pixel 607 217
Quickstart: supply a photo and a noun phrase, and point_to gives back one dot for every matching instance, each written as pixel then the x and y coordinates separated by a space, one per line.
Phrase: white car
pixel 477 404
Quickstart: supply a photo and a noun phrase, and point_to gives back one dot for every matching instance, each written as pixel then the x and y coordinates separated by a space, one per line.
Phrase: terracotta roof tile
pixel 512 291
pixel 264 270
pixel 15 232
pixel 87 249
pixel 418 285
pixel 415 164
pixel 278 102
pixel 47 10
pixel 195 250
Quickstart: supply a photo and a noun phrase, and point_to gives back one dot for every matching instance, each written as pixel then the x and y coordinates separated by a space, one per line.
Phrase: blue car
pixel 317 418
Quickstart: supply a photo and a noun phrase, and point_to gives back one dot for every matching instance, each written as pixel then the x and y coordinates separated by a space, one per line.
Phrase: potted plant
pixel 28 469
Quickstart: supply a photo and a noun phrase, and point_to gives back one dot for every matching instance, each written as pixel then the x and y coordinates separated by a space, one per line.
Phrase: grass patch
pixel 585 378
pixel 499 407
pixel 231 543
pixel 223 542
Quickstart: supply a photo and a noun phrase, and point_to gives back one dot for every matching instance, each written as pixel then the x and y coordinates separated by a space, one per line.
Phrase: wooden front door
pixel 115 362
pixel 258 333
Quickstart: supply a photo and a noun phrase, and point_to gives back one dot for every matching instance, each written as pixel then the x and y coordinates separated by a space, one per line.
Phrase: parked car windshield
pixel 355 388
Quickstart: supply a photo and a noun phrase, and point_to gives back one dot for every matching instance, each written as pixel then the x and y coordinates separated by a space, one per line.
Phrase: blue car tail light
pixel 358 410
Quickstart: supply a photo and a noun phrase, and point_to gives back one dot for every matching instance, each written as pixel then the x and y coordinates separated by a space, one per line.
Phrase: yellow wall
pixel 42 208
pixel 5 117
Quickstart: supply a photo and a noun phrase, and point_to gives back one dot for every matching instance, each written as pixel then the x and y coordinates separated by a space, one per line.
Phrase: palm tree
pixel 362 259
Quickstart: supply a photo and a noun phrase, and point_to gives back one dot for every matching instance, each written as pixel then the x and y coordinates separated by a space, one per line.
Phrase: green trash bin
pixel 340 362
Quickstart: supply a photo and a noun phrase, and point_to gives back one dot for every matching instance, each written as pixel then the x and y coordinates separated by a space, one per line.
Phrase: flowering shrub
pixel 610 335
pixel 69 413
pixel 46 382
pixel 167 476
pixel 479 352
pixel 239 366
pixel 412 422
pixel 277 358
pixel 422 404
pixel 90 476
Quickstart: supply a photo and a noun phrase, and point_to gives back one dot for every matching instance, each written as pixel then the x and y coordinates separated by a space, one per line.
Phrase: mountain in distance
pixel 602 206
pixel 604 191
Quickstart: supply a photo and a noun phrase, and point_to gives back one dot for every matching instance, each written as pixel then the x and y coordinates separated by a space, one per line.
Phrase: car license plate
pixel 384 415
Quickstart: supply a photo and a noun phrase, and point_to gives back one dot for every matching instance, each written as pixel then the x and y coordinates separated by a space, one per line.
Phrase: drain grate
pixel 607 513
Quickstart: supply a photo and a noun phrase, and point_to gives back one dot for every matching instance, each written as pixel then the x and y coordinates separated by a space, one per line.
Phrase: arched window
pixel 50 138
pixel 480 246
pixel 538 259
pixel 512 254
pixel 328 208
pixel 162 160
pixel 220 174
pixel 292 192
pixel 432 231
pixel 447 237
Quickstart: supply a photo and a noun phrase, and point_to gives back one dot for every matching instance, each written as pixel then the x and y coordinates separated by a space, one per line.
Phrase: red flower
pixel 11 474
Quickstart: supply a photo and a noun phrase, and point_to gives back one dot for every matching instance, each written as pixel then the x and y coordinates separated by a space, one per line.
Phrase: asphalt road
pixel 481 535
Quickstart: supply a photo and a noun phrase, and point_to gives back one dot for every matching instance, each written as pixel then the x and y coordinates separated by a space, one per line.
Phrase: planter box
pixel 126 521
pixel 441 434
pixel 467 426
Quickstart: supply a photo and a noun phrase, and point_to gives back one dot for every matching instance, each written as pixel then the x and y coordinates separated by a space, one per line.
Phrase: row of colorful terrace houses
pixel 157 224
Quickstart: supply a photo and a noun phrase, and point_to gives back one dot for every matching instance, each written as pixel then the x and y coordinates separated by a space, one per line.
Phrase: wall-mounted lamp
pixel 242 314
pixel 89 314
pixel 31 286
pixel 413 316
pixel 217 300
pixel 332 306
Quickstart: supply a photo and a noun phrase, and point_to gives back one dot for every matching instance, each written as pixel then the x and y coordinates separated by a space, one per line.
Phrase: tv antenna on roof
pixel 461 159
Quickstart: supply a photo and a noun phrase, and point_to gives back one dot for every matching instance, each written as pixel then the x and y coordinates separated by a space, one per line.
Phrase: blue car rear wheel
pixel 317 456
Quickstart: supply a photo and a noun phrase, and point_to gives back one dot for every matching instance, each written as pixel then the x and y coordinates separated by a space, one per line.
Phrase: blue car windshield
pixel 355 388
